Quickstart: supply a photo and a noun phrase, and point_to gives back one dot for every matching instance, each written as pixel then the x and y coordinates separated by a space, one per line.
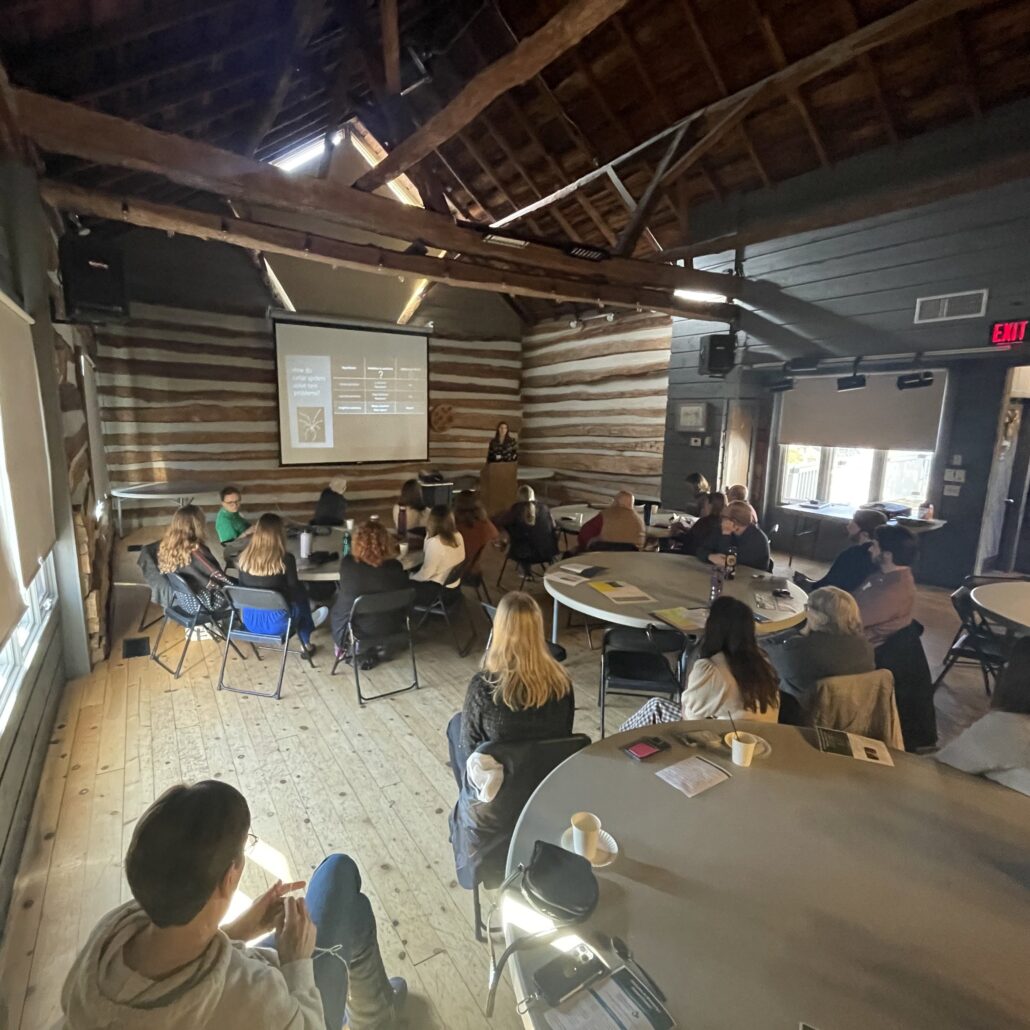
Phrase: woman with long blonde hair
pixel 183 550
pixel 266 563
pixel 520 691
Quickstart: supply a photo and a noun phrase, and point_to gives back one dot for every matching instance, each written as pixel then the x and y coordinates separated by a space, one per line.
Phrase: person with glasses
pixel 169 959
pixel 229 523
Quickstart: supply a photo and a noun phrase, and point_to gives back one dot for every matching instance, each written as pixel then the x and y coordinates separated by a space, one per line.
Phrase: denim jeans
pixel 343 915
pixel 274 622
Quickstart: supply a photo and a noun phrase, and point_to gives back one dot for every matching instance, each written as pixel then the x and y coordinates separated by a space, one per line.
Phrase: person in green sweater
pixel 230 524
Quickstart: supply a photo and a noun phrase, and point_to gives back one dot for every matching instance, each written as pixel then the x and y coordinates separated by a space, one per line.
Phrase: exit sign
pixel 1005 334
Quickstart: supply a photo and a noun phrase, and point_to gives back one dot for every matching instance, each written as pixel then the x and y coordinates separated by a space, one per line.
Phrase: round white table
pixel 673 580
pixel 181 492
pixel 1008 601
pixel 808 888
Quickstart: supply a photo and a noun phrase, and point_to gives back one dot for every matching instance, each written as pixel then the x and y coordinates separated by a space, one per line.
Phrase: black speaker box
pixel 94 279
pixel 718 354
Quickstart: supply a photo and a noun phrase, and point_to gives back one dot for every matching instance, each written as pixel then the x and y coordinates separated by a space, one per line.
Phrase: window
pixel 853 475
pixel 17 653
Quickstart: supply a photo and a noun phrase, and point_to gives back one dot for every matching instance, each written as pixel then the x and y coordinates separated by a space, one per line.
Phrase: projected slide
pixel 350 394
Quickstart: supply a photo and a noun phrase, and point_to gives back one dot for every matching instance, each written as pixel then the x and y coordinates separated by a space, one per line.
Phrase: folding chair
pixel 447 601
pixel 472 576
pixel 633 662
pixel 263 600
pixel 558 653
pixel 363 638
pixel 188 611
pixel 611 545
pixel 975 643
pixel 161 592
pixel 526 554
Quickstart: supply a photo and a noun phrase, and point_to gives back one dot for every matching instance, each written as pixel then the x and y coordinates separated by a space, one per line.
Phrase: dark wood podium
pixel 498 483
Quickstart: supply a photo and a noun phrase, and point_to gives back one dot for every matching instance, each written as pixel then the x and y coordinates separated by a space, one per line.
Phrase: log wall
pixel 187 395
pixel 593 401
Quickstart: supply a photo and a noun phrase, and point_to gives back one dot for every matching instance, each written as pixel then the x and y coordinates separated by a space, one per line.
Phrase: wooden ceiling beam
pixel 956 30
pixel 364 257
pixel 64 128
pixel 850 19
pixel 390 30
pixel 564 30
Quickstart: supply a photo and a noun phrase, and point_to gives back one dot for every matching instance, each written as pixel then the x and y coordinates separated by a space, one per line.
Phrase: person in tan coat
pixel 616 524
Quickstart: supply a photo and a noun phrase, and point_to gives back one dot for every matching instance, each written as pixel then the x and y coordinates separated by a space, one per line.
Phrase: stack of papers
pixel 622 593
pixel 693 775
pixel 619 1001
pixel 686 620
pixel 851 745
pixel 768 603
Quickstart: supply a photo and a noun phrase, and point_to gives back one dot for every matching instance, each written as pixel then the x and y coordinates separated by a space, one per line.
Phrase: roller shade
pixel 26 462
pixel 879 417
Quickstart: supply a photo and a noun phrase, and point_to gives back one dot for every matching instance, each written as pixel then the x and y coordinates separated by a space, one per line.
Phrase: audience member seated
pixel 887 597
pixel 183 550
pixel 530 529
pixel 740 532
pixel 266 563
pixel 854 565
pixel 520 691
pixel 164 960
pixel 730 675
pixel 998 744
pixel 411 508
pixel 331 508
pixel 444 551
pixel 370 568
pixel 619 523
pixel 229 523
pixel 831 644
pixel 704 534
pixel 503 446
pixel 739 492
pixel 475 527
pixel 697 489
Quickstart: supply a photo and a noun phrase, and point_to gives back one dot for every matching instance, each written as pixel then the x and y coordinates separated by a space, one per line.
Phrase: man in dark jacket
pixel 854 565
pixel 739 532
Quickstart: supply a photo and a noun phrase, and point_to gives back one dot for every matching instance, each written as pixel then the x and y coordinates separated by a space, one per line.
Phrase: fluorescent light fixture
pixel 802 365
pixel 505 241
pixel 294 159
pixel 915 380
pixel 701 296
pixel 372 160
pixel 855 382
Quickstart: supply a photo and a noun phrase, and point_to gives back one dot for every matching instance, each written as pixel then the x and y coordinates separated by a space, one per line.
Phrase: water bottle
pixel 716 591
pixel 345 544
pixel 402 522
pixel 731 563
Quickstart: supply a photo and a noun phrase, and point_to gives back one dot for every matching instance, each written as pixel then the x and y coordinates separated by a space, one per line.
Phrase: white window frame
pixel 876 478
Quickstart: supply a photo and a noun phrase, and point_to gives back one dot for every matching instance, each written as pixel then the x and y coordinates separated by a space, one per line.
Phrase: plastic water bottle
pixel 731 563
pixel 716 591
pixel 345 544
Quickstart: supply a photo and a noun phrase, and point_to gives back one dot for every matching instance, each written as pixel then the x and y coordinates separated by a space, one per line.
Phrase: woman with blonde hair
pixel 267 564
pixel 444 550
pixel 831 644
pixel 183 550
pixel 520 691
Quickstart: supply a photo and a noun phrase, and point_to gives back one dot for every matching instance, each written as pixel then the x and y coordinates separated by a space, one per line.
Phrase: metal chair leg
pixel 477 912
pixel 225 653
pixel 504 565
pixel 182 656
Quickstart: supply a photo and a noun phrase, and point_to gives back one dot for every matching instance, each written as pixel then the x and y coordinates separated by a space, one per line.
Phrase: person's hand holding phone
pixel 264 915
pixel 296 940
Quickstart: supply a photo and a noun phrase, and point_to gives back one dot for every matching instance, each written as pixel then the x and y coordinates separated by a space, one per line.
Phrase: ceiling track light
pixel 915 380
pixel 853 381
pixel 782 385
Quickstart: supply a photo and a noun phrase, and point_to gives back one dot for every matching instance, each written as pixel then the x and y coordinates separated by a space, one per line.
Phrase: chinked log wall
pixel 186 395
pixel 593 403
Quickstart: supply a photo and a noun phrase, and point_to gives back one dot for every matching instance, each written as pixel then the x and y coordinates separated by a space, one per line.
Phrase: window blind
pixel 879 417
pixel 26 461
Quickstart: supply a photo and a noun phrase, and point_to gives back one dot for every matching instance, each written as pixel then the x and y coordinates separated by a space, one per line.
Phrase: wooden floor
pixel 320 773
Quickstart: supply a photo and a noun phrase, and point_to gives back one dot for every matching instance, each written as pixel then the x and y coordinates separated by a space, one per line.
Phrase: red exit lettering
pixel 1004 334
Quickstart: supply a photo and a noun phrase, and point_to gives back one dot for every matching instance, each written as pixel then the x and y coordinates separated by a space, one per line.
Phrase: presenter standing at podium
pixel 503 446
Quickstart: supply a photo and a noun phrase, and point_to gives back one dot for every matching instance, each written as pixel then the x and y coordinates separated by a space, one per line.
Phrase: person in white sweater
pixel 444 550
pixel 166 960
pixel 998 744
pixel 731 675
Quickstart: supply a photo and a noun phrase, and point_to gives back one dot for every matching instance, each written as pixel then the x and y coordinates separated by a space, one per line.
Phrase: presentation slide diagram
pixel 309 382
pixel 373 386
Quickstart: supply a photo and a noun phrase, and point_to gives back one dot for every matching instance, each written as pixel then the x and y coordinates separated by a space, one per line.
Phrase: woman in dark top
pixel 831 644
pixel 520 691
pixel 265 563
pixel 370 568
pixel 739 531
pixel 183 550
pixel 698 487
pixel 503 446
pixel 530 528
pixel 704 534
pixel 331 508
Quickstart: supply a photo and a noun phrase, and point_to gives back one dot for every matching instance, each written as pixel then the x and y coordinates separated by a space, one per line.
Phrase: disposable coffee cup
pixel 742 747
pixel 402 548
pixel 349 525
pixel 305 545
pixel 586 828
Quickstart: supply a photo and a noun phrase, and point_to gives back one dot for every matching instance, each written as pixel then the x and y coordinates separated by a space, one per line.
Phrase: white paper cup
pixel 349 525
pixel 586 828
pixel 402 548
pixel 305 545
pixel 742 747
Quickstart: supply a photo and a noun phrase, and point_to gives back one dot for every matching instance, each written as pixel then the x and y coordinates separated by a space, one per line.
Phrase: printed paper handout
pixel 686 620
pixel 621 593
pixel 567 579
pixel 619 1001
pixel 693 775
pixel 851 745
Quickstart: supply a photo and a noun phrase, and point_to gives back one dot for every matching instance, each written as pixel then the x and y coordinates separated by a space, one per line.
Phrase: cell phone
pixel 697 738
pixel 646 747
pixel 568 973
pixel 781 592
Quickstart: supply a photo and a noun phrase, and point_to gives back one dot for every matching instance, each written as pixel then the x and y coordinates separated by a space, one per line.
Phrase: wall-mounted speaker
pixel 93 277
pixel 718 354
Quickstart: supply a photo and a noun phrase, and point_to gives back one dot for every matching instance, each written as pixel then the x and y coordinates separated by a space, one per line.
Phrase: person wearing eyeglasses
pixel 229 523
pixel 169 958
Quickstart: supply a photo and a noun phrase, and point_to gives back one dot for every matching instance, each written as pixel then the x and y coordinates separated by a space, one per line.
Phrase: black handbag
pixel 560 884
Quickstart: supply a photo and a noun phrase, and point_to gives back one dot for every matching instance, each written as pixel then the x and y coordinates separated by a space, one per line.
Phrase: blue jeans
pixel 258 620
pixel 343 915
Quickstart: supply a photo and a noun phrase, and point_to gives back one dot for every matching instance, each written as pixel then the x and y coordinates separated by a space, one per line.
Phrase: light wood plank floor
pixel 320 773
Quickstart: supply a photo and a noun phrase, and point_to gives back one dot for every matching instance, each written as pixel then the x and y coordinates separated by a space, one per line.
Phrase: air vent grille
pixel 951 306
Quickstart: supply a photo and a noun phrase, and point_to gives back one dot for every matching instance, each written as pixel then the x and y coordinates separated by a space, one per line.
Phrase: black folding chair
pixel 527 555
pixel 446 603
pixel 391 611
pixel 264 600
pixel 977 642
pixel 558 653
pixel 473 577
pixel 610 545
pixel 191 613
pixel 633 662
pixel 161 592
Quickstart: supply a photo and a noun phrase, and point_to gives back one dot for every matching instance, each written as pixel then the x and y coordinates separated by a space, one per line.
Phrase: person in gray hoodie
pixel 166 961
